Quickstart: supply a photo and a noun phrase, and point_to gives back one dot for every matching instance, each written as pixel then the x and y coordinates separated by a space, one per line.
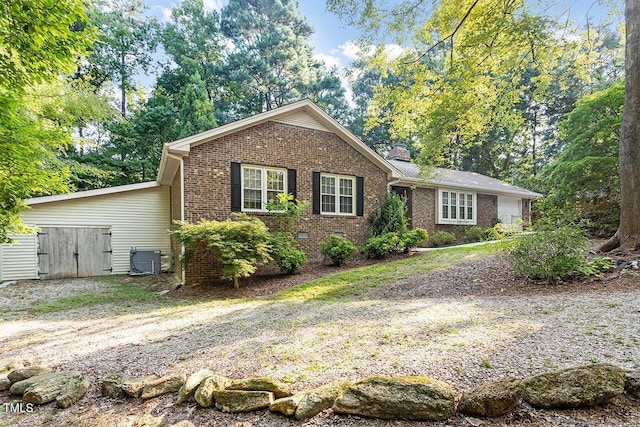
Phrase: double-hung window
pixel 337 194
pixel 259 185
pixel 456 207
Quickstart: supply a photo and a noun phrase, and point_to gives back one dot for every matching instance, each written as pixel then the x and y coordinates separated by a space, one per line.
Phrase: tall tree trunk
pixel 627 238
pixel 123 84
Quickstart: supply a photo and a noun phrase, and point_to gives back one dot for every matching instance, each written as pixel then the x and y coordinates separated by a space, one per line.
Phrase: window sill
pixel 454 222
pixel 336 215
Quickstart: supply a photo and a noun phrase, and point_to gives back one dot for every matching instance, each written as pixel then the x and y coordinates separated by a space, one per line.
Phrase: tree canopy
pixel 39 40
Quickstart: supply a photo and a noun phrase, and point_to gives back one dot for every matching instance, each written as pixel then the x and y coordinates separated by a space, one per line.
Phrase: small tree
pixel 389 228
pixel 240 244
pixel 390 217
pixel 287 210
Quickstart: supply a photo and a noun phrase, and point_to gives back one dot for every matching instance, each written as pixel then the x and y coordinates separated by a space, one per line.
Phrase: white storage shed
pixel 89 233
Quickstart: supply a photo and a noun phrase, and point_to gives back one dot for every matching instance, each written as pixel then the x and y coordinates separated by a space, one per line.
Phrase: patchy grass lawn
pixel 351 283
pixel 340 326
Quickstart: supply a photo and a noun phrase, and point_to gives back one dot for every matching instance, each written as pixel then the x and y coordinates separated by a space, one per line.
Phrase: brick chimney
pixel 399 152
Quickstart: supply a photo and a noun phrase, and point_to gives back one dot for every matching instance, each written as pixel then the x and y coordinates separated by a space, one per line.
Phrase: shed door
pixel 73 252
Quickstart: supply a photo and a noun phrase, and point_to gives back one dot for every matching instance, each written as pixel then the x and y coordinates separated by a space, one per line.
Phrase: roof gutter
pixel 421 182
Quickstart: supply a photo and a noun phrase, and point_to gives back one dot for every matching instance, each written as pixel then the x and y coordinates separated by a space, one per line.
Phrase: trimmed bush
pixel 414 238
pixel 442 238
pixel 549 255
pixel 481 234
pixel 381 246
pixel 338 249
pixel 286 252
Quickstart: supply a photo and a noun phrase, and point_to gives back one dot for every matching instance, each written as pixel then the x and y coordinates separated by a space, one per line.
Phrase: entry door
pixel 73 252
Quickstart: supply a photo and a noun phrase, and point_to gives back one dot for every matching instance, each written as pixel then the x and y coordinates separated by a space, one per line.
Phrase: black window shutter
pixel 291 183
pixel 316 192
pixel 360 196
pixel 236 188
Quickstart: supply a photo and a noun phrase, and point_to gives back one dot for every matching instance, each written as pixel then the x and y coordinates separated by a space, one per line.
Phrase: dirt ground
pixel 464 325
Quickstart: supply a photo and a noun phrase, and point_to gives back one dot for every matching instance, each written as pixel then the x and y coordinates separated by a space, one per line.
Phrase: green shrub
pixel 286 253
pixel 442 238
pixel 481 234
pixel 390 217
pixel 240 244
pixel 549 255
pixel 414 238
pixel 338 249
pixel 381 246
pixel 597 266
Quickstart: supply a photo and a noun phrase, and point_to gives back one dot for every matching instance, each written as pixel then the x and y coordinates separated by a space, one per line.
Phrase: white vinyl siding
pixel 259 185
pixel 456 207
pixel 337 194
pixel 19 260
pixel 302 119
pixel 137 218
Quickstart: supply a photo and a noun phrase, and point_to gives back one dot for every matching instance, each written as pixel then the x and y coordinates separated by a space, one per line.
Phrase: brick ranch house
pixel 296 149
pixel 299 149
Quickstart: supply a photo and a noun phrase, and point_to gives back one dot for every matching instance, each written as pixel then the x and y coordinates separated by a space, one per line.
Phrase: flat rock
pixel 492 399
pixel 21 386
pixel 73 391
pixel 5 384
pixel 166 384
pixel 112 385
pixel 133 386
pixel 242 401
pixel 28 372
pixel 278 388
pixel 192 383
pixel 632 383
pixel 65 387
pixel 575 387
pixel 204 392
pixel 318 399
pixel 286 405
pixel 410 398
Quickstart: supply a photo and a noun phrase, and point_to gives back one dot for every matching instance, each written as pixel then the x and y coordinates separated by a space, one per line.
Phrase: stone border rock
pixel 406 398
pixel 39 385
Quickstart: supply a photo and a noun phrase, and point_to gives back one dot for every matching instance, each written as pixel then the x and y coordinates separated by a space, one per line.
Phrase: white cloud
pixel 166 14
pixel 352 50
pixel 393 50
pixel 214 4
pixel 330 61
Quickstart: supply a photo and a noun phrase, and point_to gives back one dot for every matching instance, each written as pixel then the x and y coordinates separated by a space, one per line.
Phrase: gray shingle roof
pixel 453 178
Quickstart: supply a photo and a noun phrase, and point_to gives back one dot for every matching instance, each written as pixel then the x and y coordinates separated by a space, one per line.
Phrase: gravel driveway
pixel 464 338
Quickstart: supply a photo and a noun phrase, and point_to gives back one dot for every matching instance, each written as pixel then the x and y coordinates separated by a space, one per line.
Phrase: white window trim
pixel 264 170
pixel 337 195
pixel 441 220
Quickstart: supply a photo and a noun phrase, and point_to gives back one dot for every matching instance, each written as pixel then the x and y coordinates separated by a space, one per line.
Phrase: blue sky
pixel 329 39
pixel 332 37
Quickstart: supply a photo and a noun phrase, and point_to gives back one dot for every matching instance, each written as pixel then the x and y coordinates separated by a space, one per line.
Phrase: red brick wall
pixel 208 187
pixel 423 211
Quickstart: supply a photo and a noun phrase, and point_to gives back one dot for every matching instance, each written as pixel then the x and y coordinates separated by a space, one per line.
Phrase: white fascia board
pixel 92 193
pixel 477 188
pixel 183 146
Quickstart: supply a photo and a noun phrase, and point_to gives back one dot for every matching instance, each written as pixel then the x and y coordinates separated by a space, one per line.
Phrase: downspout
pixel 184 271
pixel 392 183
